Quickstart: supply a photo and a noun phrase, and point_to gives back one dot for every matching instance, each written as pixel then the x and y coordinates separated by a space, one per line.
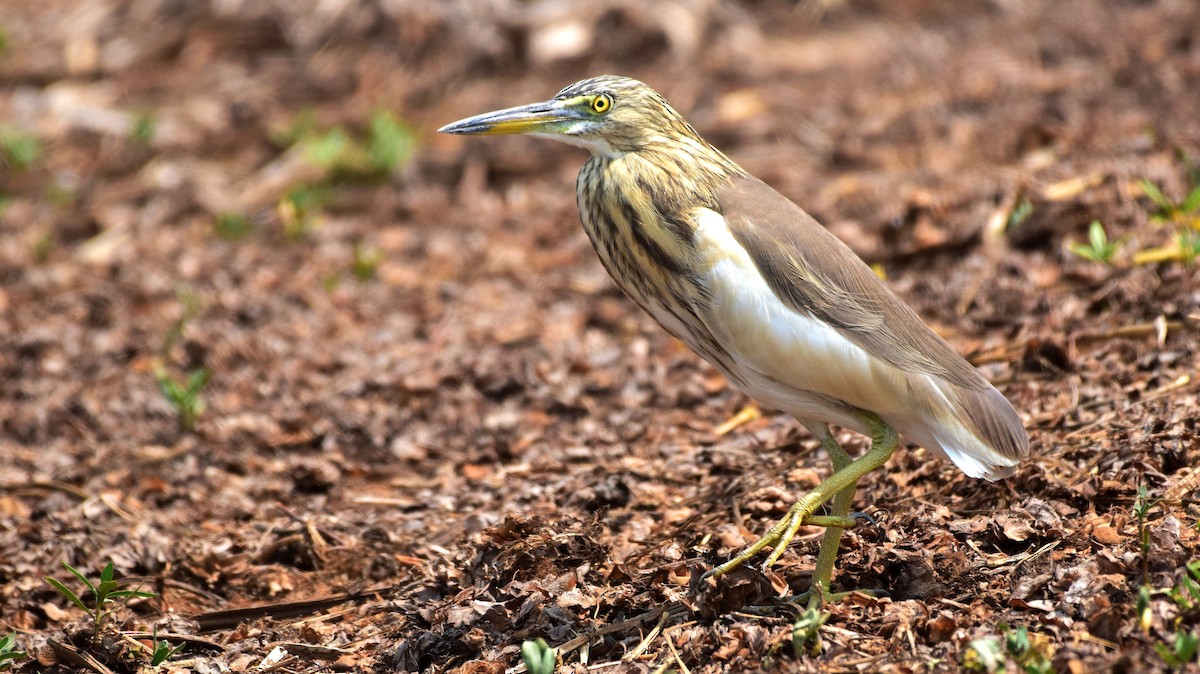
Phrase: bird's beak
pixel 545 117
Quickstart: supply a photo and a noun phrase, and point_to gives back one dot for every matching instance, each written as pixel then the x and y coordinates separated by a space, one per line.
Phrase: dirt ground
pixel 428 428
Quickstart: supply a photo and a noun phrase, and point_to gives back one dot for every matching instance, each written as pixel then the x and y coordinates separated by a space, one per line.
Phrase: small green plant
pixel 1142 505
pixel 1143 611
pixel 539 657
pixel 1098 248
pixel 1028 652
pixel 163 650
pixel 984 655
pixel 1187 242
pixel 42 247
pixel 183 396
pixel 1182 215
pixel 303 125
pixel 366 261
pixel 1019 214
pixel 1181 653
pixel 1029 655
pixel 105 597
pixel 332 149
pixel 141 131
pixel 331 281
pixel 189 305
pixel 806 632
pixel 232 226
pixel 1167 210
pixel 8 651
pixel 1186 593
pixel 389 143
pixel 300 210
pixel 60 196
pixel 19 150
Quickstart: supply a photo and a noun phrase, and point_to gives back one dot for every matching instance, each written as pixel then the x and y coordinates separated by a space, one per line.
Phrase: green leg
pixel 822 577
pixel 839 486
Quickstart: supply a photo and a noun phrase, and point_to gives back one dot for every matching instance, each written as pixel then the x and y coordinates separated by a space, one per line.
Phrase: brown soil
pixel 433 429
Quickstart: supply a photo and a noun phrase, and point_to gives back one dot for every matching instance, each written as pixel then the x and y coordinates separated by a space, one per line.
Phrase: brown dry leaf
pixel 1013 527
pixel 1106 535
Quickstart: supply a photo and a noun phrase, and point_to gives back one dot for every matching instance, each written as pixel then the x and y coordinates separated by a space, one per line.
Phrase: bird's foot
pixel 781 535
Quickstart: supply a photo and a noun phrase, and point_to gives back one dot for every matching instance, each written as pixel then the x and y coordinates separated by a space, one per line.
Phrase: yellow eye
pixel 601 104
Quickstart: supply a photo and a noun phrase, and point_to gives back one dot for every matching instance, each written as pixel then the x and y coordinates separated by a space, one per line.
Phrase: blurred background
pixel 247 293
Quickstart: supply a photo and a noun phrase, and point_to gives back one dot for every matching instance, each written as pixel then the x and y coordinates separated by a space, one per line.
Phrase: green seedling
pixel 1187 242
pixel 303 125
pixel 366 261
pixel 183 396
pixel 331 281
pixel 984 655
pixel 1029 656
pixel 1142 505
pixel 1019 214
pixel 1142 610
pixel 1186 593
pixel 1019 647
pixel 141 131
pixel 1098 248
pixel 9 653
pixel 389 143
pixel 19 150
pixel 1183 652
pixel 990 655
pixel 333 149
pixel 163 650
pixel 539 657
pixel 806 632
pixel 300 210
pixel 1184 215
pixel 1183 211
pixel 233 226
pixel 42 246
pixel 104 595
pixel 1185 649
pixel 190 305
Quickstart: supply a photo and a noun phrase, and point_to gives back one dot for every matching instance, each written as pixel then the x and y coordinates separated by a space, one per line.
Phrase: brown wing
pixel 813 272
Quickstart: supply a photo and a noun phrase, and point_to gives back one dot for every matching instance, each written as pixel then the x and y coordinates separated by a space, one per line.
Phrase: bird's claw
pixel 860 515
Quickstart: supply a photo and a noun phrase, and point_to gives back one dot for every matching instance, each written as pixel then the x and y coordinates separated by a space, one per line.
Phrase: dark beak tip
pixel 464 127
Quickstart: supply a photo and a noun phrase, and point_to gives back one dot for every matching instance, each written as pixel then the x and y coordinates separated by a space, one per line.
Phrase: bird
pixel 771 298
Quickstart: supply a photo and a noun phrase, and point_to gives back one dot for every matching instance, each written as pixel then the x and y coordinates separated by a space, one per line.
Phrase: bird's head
pixel 608 115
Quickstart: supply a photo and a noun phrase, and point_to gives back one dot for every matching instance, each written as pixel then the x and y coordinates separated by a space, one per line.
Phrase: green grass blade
pixel 1151 190
pixel 66 592
pixel 82 578
pixel 1192 203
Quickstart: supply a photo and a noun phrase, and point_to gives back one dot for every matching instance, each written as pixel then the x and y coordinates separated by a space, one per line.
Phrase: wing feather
pixel 814 274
